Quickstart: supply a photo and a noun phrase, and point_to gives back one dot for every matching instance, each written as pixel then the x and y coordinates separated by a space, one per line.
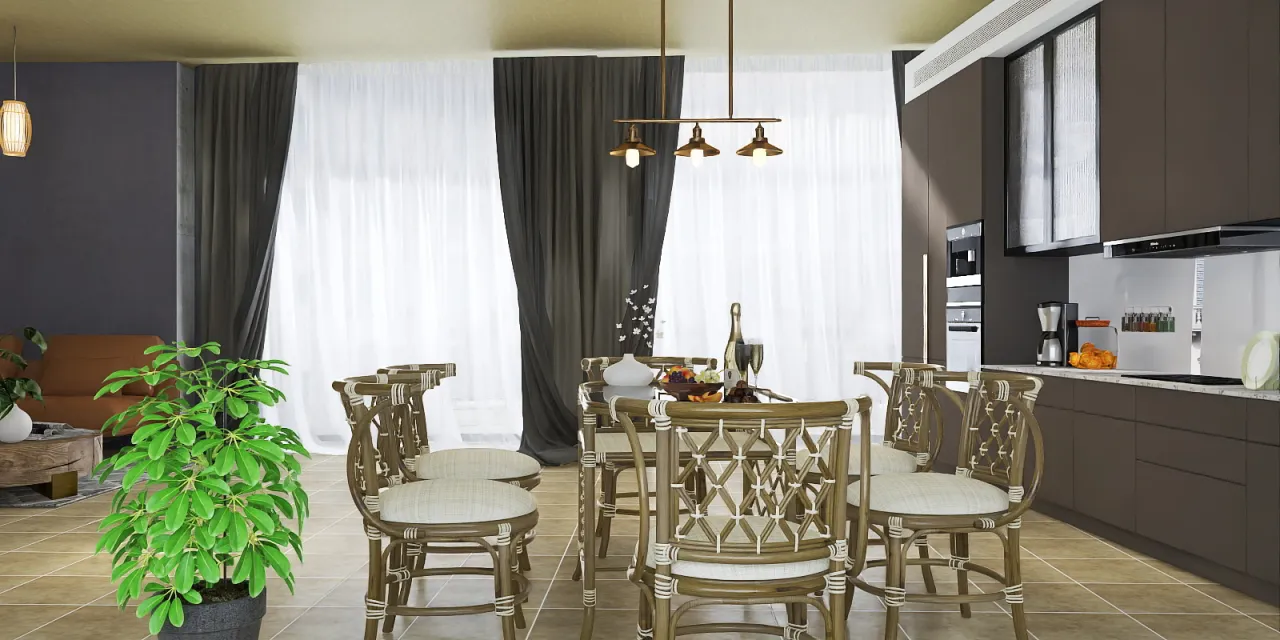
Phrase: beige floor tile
pixel 21 563
pixel 483 625
pixel 9 582
pixel 1270 621
pixel 1033 570
pixel 351 592
pixel 1176 573
pixel 330 566
pixel 1077 626
pixel 21 619
pixel 1158 598
pixel 14 541
pixel 47 524
pixel 555 545
pixel 99 565
pixel 1071 549
pixel 277 618
pixel 331 622
pixel 98 508
pixel 66 543
pixel 1061 598
pixel 306 591
pixel 1198 627
pixel 1114 570
pixel 1237 600
pixel 950 626
pixel 93 623
pixel 341 544
pixel 71 590
pixel 569 497
pixel 1048 529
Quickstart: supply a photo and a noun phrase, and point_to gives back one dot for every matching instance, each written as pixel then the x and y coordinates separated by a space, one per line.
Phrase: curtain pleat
pixel 578 220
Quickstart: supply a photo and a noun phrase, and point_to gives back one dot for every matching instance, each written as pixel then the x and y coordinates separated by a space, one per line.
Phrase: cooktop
pixel 1186 378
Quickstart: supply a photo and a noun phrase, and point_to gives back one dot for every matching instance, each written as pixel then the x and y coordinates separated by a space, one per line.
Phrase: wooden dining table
pixel 599 439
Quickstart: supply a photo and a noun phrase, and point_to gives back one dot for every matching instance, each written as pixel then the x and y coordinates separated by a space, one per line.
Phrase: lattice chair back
pixel 594 367
pixel 772 518
pixel 913 421
pixel 998 422
pixel 414 441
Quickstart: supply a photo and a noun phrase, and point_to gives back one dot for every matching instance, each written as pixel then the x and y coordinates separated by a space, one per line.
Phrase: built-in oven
pixel 964 299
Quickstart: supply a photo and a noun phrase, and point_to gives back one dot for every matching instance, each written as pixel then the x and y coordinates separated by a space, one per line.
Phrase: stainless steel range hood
pixel 1214 241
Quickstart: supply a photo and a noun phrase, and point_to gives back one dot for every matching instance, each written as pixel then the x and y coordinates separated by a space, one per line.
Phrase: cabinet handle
pixel 924 278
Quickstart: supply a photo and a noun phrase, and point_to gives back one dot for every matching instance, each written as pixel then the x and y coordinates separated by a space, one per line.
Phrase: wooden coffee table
pixel 52 465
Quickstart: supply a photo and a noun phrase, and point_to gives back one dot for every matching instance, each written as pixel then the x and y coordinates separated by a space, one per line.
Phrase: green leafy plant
pixel 14 389
pixel 209 517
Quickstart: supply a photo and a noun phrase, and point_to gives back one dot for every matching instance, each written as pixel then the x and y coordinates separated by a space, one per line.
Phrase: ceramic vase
pixel 628 372
pixel 15 427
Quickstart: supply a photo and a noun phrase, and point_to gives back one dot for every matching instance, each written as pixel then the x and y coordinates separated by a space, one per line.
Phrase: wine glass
pixel 757 359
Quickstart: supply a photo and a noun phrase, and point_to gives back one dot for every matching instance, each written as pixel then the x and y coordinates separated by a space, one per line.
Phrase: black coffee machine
pixel 1058 333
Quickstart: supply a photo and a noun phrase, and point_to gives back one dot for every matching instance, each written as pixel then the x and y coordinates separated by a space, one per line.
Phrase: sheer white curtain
pixel 810 243
pixel 391 249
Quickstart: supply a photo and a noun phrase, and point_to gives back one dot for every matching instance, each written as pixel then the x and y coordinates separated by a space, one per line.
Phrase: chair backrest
pixel 999 419
pixel 913 422
pixel 414 441
pixel 778 517
pixel 594 367
pixel 376 409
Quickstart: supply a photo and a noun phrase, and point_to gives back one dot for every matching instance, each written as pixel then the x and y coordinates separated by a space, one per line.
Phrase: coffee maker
pixel 1058 336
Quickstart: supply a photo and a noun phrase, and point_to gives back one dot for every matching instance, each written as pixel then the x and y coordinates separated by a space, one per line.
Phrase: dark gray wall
pixel 90 216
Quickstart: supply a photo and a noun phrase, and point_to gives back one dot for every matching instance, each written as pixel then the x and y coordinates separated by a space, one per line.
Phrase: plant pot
pixel 239 619
pixel 16 426
pixel 628 372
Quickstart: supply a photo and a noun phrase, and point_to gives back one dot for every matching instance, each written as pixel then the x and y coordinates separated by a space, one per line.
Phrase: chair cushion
pixel 455 502
pixel 67 375
pixel 931 494
pixel 883 460
pixel 740 572
pixel 475 464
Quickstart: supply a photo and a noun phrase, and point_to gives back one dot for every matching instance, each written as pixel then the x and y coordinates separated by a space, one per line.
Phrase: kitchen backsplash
pixel 1241 298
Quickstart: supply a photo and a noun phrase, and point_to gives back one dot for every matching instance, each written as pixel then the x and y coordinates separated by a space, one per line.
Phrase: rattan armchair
pixel 774 542
pixel 985 495
pixel 482 514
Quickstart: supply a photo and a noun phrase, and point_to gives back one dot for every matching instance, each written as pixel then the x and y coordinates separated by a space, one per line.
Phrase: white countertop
pixel 1116 376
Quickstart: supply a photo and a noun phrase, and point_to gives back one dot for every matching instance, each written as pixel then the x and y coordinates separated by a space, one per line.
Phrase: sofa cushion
pixel 64 375
pixel 82 412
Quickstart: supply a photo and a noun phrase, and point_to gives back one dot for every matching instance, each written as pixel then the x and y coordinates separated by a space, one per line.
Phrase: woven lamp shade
pixel 15 128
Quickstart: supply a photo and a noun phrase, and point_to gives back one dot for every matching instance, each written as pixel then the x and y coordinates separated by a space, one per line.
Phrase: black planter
pixel 235 620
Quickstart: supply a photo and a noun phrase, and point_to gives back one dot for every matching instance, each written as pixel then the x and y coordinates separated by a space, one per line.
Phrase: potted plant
pixel 15 424
pixel 202 510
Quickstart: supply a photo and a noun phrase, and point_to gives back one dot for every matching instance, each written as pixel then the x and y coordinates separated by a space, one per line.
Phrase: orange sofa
pixel 72 372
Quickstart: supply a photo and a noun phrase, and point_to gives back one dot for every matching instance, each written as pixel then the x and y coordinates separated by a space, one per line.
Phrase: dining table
pixel 600 439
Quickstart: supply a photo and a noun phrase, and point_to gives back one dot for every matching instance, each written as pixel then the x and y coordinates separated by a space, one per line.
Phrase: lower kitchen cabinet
pixel 1057 480
pixel 1197 514
pixel 1263 521
pixel 1103 469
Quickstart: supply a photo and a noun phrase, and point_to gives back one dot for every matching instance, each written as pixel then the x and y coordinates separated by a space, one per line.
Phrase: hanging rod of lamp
pixel 633 148
pixel 15 119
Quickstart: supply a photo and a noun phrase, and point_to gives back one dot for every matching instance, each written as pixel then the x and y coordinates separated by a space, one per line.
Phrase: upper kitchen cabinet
pixel 915 225
pixel 1264 109
pixel 1052 142
pixel 1206 113
pixel 955 149
pixel 1132 77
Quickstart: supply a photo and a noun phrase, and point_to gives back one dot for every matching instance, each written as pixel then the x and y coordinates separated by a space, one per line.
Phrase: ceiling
pixel 196 31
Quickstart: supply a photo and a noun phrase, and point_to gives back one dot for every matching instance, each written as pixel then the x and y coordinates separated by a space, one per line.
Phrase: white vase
pixel 628 372
pixel 15 427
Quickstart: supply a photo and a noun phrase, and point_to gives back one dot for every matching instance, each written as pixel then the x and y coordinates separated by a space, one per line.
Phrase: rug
pixel 26 497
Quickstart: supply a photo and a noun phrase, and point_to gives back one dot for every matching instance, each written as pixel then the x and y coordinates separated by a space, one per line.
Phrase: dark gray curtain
pixel 900 60
pixel 582 227
pixel 244 116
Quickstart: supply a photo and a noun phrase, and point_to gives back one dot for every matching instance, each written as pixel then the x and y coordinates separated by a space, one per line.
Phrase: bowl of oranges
pixel 686 386
pixel 1091 357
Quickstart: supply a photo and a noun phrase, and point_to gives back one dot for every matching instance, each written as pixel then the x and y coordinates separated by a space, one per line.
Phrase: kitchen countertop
pixel 1116 377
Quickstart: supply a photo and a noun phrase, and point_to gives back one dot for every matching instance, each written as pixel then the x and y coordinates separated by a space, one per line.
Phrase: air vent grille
pixel 1002 22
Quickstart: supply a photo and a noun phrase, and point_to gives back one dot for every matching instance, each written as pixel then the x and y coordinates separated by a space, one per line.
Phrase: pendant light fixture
pixel 697 148
pixel 15 119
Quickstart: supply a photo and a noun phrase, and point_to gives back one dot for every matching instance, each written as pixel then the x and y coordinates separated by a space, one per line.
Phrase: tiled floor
pixel 52 588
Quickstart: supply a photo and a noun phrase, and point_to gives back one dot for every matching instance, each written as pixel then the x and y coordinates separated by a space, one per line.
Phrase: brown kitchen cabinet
pixel 1057 481
pixel 915 223
pixel 1103 468
pixel 1264 109
pixel 1167 498
pixel 1206 113
pixel 1131 79
pixel 1263 520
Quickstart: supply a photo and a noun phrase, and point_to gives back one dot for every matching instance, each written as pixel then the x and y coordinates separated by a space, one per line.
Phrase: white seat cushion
pixel 475 464
pixel 455 502
pixel 883 460
pixel 931 494
pixel 740 572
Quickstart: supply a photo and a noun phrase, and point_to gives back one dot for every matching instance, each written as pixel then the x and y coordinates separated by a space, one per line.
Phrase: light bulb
pixel 633 158
pixel 758 156
pixel 695 157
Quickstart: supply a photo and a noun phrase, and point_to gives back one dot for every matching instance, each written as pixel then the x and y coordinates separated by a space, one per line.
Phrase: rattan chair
pixel 719 551
pixel 985 495
pixel 483 514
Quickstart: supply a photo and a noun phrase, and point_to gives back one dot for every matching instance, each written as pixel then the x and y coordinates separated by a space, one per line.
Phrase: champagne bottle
pixel 734 370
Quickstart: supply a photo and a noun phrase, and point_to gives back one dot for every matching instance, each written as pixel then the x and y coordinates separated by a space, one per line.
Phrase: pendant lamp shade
pixel 697 144
pixel 15 129
pixel 759 146
pixel 632 148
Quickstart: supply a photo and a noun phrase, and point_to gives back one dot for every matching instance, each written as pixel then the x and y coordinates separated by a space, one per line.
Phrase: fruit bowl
pixel 682 390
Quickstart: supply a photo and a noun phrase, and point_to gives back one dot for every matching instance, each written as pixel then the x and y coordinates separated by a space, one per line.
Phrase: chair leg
pixel 608 503
pixel 644 623
pixel 515 568
pixel 663 629
pixel 522 556
pixel 838 612
pixel 894 585
pixel 398 591
pixel 504 603
pixel 797 620
pixel 375 596
pixel 1013 575
pixel 922 543
pixel 959 556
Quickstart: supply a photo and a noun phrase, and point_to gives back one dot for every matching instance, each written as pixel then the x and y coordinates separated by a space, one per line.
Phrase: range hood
pixel 1214 241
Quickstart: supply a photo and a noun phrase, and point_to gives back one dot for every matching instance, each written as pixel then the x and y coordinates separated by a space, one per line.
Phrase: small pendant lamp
pixel 632 148
pixel 15 119
pixel 759 148
pixel 697 148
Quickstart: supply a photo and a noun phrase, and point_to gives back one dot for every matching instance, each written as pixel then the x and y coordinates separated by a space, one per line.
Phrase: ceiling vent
pixel 999 29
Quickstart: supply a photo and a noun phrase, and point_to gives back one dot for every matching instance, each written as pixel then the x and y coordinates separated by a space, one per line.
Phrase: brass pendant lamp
pixel 15 119
pixel 697 148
